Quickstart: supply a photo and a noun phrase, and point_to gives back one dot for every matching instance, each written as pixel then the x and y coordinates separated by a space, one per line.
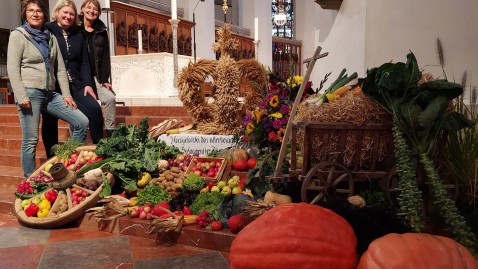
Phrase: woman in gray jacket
pixel 34 63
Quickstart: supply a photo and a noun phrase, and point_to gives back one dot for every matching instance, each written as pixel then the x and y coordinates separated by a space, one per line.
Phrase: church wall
pixel 367 33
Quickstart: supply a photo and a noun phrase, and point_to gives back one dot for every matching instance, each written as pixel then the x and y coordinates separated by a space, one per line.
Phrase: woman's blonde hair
pixel 94 2
pixel 64 3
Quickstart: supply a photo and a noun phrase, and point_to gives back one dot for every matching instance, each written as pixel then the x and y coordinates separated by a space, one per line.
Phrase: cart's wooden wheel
pixel 325 180
pixel 450 181
pixel 392 191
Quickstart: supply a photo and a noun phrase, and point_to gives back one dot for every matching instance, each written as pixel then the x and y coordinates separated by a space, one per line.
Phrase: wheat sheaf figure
pixel 224 115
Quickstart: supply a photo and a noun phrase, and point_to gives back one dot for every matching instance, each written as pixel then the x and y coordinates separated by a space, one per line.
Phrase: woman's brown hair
pixel 94 2
pixel 25 4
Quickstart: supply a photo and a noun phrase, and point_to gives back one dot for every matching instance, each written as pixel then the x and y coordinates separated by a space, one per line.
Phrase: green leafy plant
pixel 420 118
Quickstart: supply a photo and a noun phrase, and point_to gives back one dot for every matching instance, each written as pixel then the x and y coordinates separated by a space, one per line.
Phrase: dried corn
pixel 341 91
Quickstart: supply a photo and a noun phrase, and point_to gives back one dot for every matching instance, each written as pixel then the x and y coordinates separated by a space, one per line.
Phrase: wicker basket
pixel 71 214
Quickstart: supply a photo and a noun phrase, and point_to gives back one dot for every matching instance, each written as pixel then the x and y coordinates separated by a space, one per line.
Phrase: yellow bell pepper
pixel 43 212
pixel 45 204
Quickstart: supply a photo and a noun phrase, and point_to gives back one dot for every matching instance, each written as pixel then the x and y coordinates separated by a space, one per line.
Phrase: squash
pixel 278 199
pixel 414 250
pixel 239 154
pixel 296 235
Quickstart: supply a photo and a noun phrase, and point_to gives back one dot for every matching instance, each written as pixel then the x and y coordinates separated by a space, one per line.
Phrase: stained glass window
pixel 283 12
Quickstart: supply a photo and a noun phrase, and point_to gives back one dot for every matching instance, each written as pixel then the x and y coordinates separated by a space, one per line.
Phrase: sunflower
pixel 280 134
pixel 274 102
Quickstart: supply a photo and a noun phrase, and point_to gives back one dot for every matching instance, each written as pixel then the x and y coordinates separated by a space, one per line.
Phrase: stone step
pixel 13 158
pixel 10 176
pixel 15 129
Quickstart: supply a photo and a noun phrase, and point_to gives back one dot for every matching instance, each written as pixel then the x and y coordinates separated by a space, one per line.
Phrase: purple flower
pixel 284 109
pixel 277 124
pixel 262 105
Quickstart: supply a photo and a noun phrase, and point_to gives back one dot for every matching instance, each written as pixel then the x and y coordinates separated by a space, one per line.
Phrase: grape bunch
pixel 203 219
pixel 182 199
pixel 41 178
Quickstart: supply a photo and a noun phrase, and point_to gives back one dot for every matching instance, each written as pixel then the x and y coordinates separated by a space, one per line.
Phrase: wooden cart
pixel 328 175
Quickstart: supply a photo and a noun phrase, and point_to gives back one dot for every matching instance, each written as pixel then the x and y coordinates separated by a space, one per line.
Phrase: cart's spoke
pixel 317 198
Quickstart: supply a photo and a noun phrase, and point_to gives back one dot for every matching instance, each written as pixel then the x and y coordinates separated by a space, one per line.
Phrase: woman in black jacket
pixel 96 37
pixel 74 51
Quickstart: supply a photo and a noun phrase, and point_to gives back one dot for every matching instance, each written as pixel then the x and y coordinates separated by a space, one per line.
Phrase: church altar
pixel 146 79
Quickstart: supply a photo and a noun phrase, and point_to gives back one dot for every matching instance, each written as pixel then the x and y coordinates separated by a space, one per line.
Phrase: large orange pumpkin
pixel 416 251
pixel 295 236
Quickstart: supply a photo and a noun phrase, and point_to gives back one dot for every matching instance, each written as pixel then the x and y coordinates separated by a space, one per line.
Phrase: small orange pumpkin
pixel 295 236
pixel 416 251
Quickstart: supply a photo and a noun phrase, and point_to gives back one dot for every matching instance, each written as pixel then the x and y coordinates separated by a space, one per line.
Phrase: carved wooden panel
pixel 156 31
pixel 244 50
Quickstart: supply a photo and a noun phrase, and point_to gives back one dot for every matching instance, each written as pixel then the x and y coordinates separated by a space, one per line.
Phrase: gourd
pixel 276 198
pixel 239 154
pixel 296 235
pixel 415 250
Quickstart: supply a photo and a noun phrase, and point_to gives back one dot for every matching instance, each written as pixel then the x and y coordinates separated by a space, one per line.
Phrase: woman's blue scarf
pixel 42 37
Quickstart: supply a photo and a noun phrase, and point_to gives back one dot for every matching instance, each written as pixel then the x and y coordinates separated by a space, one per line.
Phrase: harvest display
pixel 349 190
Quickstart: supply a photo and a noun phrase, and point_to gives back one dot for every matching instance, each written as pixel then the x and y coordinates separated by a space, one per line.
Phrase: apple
pixel 142 215
pixel 25 203
pixel 134 213
pixel 36 201
pixel 221 184
pixel 236 190
pixel 215 188
pixel 233 182
pixel 226 191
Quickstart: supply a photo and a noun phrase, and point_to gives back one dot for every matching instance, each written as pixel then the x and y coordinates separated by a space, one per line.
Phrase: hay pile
pixel 352 109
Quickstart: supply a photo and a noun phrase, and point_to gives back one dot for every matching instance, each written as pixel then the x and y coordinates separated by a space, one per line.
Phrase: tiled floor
pixel 71 248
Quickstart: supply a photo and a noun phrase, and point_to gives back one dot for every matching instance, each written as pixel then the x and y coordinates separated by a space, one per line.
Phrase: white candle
pixel 256 29
pixel 140 40
pixel 174 12
pixel 107 4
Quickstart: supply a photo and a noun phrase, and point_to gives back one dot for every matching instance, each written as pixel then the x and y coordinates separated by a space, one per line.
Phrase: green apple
pixel 236 190
pixel 221 184
pixel 36 200
pixel 25 203
pixel 233 182
pixel 215 188
pixel 236 177
pixel 47 167
pixel 226 191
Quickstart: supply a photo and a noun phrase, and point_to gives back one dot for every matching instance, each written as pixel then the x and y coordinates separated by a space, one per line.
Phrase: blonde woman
pixel 74 51
pixel 34 63
pixel 96 37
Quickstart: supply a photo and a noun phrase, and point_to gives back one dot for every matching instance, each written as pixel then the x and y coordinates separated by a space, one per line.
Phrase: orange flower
pixel 274 102
pixel 258 114
pixel 280 134
pixel 249 128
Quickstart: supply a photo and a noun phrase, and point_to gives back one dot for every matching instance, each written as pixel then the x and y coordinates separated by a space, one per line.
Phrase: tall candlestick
pixel 174 10
pixel 107 4
pixel 140 41
pixel 256 29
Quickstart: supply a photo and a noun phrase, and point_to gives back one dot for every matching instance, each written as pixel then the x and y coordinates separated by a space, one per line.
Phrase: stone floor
pixel 73 247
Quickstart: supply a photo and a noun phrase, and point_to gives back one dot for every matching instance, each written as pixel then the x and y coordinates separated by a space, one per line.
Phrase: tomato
pixel 251 163
pixel 240 165
pixel 216 225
